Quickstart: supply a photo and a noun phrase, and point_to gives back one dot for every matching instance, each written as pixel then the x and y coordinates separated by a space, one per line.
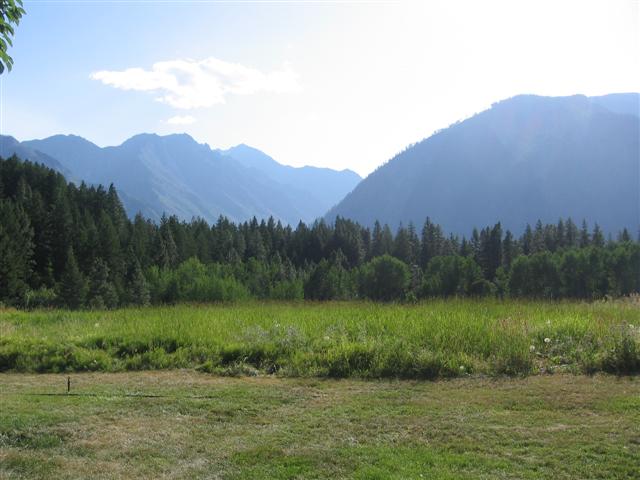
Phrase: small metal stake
pixel 68 384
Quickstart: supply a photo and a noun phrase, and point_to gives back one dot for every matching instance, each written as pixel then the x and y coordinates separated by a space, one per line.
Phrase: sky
pixel 339 84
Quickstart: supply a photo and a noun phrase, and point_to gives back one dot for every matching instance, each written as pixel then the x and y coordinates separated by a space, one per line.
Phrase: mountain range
pixel 526 158
pixel 175 175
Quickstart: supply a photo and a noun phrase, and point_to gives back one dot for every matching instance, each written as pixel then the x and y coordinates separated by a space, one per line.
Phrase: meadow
pixel 429 340
pixel 184 424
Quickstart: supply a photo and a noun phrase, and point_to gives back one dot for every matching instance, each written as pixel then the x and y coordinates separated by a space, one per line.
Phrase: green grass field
pixel 183 424
pixel 362 340
pixel 373 420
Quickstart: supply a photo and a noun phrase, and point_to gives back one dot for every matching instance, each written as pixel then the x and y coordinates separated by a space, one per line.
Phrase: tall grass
pixel 429 340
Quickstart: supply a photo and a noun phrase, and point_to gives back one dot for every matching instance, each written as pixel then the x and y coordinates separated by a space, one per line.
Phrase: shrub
pixel 384 278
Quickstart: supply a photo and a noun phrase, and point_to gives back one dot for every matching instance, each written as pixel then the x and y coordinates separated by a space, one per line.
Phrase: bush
pixel 384 278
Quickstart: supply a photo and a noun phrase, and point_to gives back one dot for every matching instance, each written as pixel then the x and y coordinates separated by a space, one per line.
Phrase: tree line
pixel 74 247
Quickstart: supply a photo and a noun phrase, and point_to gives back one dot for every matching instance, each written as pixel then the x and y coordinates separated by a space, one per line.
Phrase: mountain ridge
pixel 514 163
pixel 174 174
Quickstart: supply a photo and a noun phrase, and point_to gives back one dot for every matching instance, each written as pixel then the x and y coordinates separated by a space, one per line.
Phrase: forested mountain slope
pixel 526 158
pixel 176 175
pixel 73 246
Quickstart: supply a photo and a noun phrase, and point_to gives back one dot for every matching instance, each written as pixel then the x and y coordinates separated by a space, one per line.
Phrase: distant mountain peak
pixel 177 175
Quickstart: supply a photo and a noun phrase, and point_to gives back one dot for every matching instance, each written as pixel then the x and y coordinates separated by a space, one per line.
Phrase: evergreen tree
pixel 585 238
pixel 136 287
pixel 432 242
pixel 381 241
pixel 402 247
pixel 539 244
pixel 571 234
pixel 597 239
pixel 102 293
pixel 490 254
pixel 527 241
pixel 508 250
pixel 72 288
pixel 560 240
pixel 16 252
pixel 624 236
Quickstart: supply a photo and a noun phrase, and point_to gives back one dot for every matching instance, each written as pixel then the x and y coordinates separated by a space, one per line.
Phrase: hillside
pixel 524 159
pixel 174 174
pixel 325 187
pixel 10 146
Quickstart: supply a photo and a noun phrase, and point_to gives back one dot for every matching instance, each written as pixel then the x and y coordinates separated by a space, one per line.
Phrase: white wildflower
pixel 631 326
pixel 547 340
pixel 462 369
pixel 532 348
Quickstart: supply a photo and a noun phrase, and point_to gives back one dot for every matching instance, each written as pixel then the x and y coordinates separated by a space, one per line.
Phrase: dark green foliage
pixel 102 293
pixel 16 251
pixel 384 278
pixel 137 290
pixel 382 241
pixel 329 280
pixel 454 275
pixel 72 286
pixel 75 247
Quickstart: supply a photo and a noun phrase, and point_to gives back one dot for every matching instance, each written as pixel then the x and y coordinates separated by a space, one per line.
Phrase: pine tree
pixel 571 234
pixel 382 240
pixel 491 251
pixel 508 250
pixel 136 287
pixel 539 244
pixel 432 242
pixel 402 248
pixel 585 238
pixel 16 252
pixel 597 239
pixel 72 287
pixel 527 241
pixel 560 240
pixel 624 236
pixel 102 293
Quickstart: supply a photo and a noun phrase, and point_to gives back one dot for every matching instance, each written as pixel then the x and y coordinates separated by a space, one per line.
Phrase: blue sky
pixel 337 84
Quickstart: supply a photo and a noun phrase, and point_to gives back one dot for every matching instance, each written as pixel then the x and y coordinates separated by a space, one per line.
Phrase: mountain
pixel 324 186
pixel 626 103
pixel 10 146
pixel 524 159
pixel 174 174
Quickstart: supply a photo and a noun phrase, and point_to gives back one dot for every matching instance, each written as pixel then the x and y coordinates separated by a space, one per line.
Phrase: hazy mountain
pixel 85 159
pixel 324 187
pixel 628 103
pixel 177 175
pixel 524 159
pixel 10 146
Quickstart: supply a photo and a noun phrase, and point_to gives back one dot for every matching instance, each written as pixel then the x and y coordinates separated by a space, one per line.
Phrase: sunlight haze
pixel 335 84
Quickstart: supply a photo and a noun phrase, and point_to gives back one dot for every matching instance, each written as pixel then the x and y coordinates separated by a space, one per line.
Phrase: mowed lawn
pixel 185 424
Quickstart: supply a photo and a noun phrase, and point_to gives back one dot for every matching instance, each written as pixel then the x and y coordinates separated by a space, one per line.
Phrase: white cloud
pixel 181 120
pixel 188 84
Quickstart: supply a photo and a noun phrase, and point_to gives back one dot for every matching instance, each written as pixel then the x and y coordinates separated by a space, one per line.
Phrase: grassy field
pixel 185 424
pixel 431 340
